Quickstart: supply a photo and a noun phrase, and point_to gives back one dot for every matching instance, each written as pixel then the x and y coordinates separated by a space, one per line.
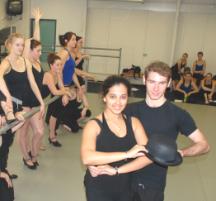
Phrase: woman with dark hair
pixel 16 82
pixel 186 89
pixel 207 90
pixel 32 51
pixel 199 67
pixel 52 80
pixel 80 57
pixel 178 69
pixel 109 143
pixel 68 42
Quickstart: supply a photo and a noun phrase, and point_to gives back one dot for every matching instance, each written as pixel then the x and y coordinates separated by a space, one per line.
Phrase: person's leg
pixel 97 195
pixel 149 194
pixel 37 125
pixel 178 95
pixel 52 132
pixel 6 194
pixel 24 142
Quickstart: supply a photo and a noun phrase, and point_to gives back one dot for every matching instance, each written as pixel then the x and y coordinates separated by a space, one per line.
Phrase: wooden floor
pixel 60 174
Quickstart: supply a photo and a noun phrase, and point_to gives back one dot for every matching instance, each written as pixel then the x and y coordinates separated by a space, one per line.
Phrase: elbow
pixel 207 147
pixel 86 161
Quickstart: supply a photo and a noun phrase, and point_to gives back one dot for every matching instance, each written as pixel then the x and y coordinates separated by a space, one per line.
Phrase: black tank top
pixel 18 84
pixel 107 141
pixel 80 64
pixel 38 75
pixel 208 85
pixel 39 81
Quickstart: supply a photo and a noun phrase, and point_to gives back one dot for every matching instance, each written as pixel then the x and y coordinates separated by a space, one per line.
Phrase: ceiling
pixel 206 2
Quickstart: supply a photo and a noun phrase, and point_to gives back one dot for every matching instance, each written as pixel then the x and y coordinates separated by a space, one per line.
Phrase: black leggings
pixel 99 195
pixel 147 194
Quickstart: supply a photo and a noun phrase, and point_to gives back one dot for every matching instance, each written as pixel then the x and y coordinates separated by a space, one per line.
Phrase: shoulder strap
pixel 67 52
pixel 100 124
pixel 24 63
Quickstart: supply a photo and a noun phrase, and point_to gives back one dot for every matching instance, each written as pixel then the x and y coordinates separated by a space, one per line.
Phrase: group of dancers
pixel 113 142
pixel 24 85
pixel 193 85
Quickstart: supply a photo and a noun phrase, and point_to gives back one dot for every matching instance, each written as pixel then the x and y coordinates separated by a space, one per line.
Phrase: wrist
pixel 126 155
pixel 117 171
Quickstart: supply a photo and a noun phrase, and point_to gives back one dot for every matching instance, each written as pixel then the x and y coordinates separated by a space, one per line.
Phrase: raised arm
pixel 37 14
pixel 36 35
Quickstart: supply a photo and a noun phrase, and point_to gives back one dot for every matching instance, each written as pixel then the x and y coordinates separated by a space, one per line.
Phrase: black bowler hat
pixel 163 150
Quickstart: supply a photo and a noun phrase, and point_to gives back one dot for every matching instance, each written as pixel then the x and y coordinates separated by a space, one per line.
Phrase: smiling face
pixel 116 99
pixel 56 66
pixel 156 85
pixel 72 42
pixel 16 46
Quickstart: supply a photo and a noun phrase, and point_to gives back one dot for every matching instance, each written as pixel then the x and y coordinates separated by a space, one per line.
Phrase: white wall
pixel 145 33
pixel 197 33
pixel 20 22
pixel 70 14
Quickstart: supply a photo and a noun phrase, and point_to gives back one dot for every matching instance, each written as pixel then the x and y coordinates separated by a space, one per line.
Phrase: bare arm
pixel 204 87
pixel 204 67
pixel 4 68
pixel 141 139
pixel 90 156
pixel 36 35
pixel 178 87
pixel 199 145
pixel 195 88
pixel 37 14
pixel 83 73
pixel 49 81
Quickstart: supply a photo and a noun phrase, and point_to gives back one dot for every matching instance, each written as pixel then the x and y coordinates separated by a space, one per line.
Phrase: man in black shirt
pixel 160 117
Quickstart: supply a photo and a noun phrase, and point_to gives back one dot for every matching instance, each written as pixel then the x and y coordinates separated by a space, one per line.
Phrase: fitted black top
pixel 18 85
pixel 169 120
pixel 107 141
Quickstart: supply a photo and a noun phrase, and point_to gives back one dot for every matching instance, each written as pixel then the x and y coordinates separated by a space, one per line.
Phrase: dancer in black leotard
pixel 32 51
pixel 178 69
pixel 16 83
pixel 199 67
pixel 52 81
pixel 109 142
pixel 186 89
pixel 207 90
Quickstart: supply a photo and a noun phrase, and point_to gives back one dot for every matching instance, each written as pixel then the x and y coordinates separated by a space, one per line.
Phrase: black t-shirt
pixel 167 119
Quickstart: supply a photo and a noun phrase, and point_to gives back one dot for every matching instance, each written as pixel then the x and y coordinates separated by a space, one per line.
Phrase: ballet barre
pixel 27 115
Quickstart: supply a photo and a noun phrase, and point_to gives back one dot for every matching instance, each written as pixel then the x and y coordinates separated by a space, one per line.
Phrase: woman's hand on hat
pixel 181 153
pixel 136 151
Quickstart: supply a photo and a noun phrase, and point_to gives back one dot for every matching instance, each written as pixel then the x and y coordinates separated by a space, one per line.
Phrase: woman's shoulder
pixel 63 53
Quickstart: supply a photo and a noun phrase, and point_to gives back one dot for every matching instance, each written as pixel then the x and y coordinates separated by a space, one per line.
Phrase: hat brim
pixel 178 160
